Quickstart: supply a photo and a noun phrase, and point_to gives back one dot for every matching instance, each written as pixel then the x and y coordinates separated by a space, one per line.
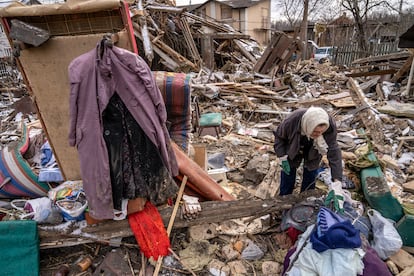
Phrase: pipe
pixel 202 181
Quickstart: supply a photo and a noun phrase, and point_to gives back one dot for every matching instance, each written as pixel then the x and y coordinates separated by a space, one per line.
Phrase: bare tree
pixel 292 10
pixel 360 10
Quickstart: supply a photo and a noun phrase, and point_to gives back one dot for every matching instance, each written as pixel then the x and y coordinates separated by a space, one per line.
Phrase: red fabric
pixel 293 233
pixel 149 231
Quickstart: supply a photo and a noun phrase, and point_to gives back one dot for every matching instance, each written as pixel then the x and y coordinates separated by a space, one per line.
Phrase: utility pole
pixel 304 29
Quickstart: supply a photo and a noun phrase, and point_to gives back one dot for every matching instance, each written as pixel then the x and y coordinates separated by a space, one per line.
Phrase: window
pixel 226 12
pixel 321 51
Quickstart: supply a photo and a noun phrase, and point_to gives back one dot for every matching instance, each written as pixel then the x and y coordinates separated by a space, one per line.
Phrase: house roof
pixel 342 20
pixel 238 4
pixel 235 4
pixel 407 39
pixel 191 7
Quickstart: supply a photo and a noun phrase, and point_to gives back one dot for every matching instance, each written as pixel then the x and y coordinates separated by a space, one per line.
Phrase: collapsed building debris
pixel 187 42
pixel 253 105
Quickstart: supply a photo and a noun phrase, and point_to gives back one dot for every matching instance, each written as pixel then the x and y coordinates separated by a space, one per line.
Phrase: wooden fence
pixel 344 55
pixel 4 72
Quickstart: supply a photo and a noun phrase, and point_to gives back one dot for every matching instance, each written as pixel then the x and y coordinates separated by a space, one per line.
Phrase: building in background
pixel 246 16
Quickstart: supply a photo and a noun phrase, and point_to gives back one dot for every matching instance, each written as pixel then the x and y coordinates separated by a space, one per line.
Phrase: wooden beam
pixel 406 66
pixel 371 121
pixel 372 73
pixel 190 41
pixel 410 77
pixel 212 212
pixel 243 50
pixel 167 49
pixel 393 56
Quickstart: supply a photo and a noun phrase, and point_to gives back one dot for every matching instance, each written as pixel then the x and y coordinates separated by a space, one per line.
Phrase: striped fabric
pixel 16 176
pixel 175 89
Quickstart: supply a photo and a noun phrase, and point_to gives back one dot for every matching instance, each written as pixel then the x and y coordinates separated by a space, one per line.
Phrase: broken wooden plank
pixel 380 92
pixel 208 23
pixel 251 139
pixel 366 86
pixel 392 56
pixel 269 187
pixel 343 102
pixel 260 63
pixel 164 8
pixel 369 118
pixel 277 55
pixel 409 271
pixel 244 51
pixel 167 49
pixel 261 96
pixel 406 138
pixel 212 212
pixel 403 70
pixel 227 36
pixel 340 100
pixel 409 187
pixel 402 259
pixel 337 96
pixel 167 60
pixel 410 78
pixel 185 28
pixel 371 73
pixel 398 109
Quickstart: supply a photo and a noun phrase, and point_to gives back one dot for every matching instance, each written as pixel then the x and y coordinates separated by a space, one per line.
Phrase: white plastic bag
pixel 386 241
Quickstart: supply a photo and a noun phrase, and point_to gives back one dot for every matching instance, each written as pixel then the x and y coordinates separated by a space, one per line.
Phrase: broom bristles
pixel 149 232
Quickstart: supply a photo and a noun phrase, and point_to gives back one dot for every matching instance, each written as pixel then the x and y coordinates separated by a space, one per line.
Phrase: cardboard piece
pixel 45 68
pixel 69 7
pixel 200 155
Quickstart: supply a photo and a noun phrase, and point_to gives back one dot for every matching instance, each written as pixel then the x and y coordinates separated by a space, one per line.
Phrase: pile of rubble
pixel 181 41
pixel 246 242
pixel 254 90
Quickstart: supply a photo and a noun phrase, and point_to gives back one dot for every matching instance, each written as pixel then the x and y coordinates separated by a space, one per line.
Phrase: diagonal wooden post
pixel 171 222
pixel 410 77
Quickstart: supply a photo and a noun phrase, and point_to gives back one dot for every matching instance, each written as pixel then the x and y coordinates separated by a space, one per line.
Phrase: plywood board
pixel 398 109
pixel 402 259
pixel 344 102
pixel 46 71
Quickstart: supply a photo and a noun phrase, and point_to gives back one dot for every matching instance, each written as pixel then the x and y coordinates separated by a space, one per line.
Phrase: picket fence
pixel 346 54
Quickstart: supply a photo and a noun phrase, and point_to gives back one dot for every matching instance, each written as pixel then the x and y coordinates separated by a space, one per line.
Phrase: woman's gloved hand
pixel 335 198
pixel 285 164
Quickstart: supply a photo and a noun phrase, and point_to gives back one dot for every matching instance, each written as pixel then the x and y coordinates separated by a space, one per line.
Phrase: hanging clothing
pixel 136 168
pixel 94 77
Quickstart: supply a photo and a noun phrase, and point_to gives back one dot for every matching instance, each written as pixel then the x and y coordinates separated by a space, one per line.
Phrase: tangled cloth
pixel 312 118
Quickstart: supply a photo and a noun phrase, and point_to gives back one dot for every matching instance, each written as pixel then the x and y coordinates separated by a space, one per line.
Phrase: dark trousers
pixel 287 182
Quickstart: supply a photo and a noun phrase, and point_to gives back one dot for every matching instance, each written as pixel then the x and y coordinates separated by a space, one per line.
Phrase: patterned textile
pixel 136 166
pixel 175 89
pixel 16 177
